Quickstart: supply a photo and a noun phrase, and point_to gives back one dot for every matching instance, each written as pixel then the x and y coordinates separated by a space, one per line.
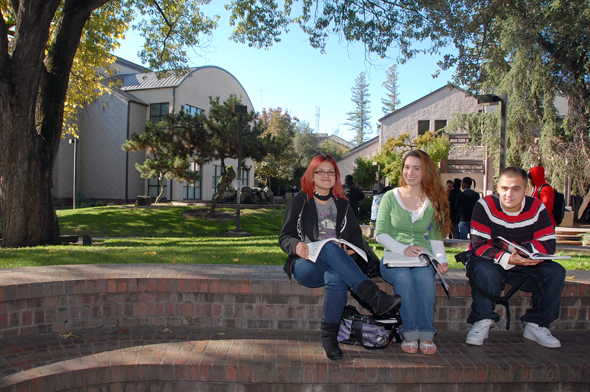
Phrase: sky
pixel 294 76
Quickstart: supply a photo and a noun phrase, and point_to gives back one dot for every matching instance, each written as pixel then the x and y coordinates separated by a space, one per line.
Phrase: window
pixel 192 110
pixel 158 111
pixel 244 178
pixel 439 124
pixel 192 191
pixel 216 176
pixel 154 188
pixel 423 126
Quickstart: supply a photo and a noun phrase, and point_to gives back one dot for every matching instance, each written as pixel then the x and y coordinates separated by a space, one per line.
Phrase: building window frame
pixel 193 191
pixel 158 111
pixel 154 187
pixel 192 110
pixel 423 126
pixel 438 125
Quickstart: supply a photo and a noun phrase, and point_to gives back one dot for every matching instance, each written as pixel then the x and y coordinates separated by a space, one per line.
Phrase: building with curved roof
pixel 104 171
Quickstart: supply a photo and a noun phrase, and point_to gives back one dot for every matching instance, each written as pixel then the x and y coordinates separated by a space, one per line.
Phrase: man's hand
pixel 302 250
pixel 517 259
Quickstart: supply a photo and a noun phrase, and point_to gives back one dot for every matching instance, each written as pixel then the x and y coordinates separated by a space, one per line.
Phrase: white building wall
pixel 346 165
pixel 137 120
pixel 443 104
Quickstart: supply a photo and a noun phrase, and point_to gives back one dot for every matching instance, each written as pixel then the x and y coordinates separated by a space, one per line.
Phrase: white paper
pixel 315 248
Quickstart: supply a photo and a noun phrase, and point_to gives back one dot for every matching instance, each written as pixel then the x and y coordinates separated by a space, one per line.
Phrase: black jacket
pixel 464 204
pixel 354 194
pixel 301 220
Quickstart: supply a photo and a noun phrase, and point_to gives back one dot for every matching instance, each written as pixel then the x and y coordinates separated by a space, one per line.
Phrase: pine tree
pixel 391 103
pixel 359 118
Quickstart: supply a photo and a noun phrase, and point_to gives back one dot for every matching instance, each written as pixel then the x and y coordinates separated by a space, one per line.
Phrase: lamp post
pixel 378 176
pixel 490 100
pixel 240 110
pixel 75 143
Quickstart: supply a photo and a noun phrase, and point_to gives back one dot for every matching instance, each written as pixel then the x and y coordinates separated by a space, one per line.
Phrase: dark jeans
pixel 545 282
pixel 335 270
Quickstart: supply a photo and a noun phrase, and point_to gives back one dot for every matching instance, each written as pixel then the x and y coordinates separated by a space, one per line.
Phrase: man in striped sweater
pixel 525 221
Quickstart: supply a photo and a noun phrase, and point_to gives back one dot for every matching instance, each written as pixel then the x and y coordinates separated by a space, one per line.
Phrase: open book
pixel 508 246
pixel 391 259
pixel 315 248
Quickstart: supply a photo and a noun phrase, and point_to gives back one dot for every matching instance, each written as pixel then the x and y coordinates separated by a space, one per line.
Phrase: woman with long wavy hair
pixel 412 217
pixel 320 211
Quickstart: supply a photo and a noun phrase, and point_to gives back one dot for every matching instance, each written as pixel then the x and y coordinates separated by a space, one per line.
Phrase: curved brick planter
pixel 120 312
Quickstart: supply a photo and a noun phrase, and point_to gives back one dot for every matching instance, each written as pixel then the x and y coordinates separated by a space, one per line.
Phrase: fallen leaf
pixel 252 251
pixel 236 259
pixel 221 333
pixel 215 257
pixel 149 253
pixel 124 330
pixel 68 334
pixel 570 277
pixel 166 330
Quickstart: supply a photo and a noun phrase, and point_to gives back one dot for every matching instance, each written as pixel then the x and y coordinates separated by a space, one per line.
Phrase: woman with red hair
pixel 320 211
pixel 413 217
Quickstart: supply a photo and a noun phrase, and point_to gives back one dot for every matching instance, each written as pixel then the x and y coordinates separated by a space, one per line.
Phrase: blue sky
pixel 294 76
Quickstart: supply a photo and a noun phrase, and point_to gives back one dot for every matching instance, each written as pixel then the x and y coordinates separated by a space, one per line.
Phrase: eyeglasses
pixel 322 173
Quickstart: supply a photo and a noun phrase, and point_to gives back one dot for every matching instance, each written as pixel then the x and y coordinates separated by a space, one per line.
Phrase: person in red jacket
pixel 547 195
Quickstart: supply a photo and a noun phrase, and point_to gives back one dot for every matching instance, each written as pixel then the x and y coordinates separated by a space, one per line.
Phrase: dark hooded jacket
pixel 464 204
pixel 301 220
pixel 547 195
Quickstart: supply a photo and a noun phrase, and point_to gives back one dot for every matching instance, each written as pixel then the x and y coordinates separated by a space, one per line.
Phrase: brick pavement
pixel 204 359
pixel 239 328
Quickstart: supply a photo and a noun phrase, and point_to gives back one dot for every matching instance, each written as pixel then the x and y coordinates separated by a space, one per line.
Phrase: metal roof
pixel 150 80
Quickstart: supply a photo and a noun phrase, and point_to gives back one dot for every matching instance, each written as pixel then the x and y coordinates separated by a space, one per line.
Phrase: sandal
pixel 410 347
pixel 427 348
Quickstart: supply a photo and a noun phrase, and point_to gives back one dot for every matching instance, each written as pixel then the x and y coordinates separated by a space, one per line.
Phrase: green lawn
pixel 162 235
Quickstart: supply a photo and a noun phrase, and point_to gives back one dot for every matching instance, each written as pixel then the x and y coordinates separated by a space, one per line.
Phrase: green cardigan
pixel 395 220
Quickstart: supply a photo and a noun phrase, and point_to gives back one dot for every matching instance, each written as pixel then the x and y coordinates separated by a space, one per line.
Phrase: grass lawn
pixel 161 234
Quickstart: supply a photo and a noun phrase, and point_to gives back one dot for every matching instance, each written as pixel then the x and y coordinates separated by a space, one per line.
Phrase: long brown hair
pixel 433 189
pixel 307 179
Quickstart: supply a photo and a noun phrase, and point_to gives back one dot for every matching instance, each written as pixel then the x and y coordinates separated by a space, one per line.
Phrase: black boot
pixel 329 339
pixel 379 300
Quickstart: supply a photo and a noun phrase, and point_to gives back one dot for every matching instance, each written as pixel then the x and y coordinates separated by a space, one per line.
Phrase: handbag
pixel 369 331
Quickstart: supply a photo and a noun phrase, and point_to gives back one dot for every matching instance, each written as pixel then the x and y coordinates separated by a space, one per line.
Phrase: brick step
pixel 39 300
pixel 209 359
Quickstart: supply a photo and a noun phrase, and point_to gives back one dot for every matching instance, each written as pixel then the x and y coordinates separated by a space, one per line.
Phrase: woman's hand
pixel 349 251
pixel 302 250
pixel 412 251
pixel 443 268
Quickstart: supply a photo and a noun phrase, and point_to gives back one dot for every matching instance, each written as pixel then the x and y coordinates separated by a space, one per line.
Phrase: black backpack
pixel 369 331
pixel 558 205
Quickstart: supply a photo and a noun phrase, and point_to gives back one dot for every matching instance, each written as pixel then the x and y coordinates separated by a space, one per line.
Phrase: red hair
pixel 307 179
pixel 433 189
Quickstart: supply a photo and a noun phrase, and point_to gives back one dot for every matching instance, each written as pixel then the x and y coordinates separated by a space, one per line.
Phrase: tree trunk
pixel 33 85
pixel 220 189
pixel 161 181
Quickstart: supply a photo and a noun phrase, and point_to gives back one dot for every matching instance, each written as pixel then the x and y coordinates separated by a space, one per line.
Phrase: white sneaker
pixel 540 335
pixel 479 332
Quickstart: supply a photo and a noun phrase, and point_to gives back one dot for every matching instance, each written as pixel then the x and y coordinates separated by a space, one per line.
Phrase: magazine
pixel 315 248
pixel 508 246
pixel 391 259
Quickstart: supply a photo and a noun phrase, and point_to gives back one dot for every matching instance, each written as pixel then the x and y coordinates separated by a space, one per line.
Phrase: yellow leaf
pixel 221 333
pixel 252 251
pixel 149 253
pixel 570 277
pixel 236 259
pixel 215 257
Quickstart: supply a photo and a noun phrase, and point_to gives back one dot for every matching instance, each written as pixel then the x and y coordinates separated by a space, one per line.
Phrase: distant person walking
pixel 452 197
pixel 464 204
pixel 449 186
pixel 354 194
pixel 546 194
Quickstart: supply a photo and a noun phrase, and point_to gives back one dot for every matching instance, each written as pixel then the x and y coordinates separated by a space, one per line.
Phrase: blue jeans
pixel 464 228
pixel 545 283
pixel 335 270
pixel 416 286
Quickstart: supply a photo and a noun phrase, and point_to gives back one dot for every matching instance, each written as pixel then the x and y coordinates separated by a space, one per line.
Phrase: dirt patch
pixel 219 216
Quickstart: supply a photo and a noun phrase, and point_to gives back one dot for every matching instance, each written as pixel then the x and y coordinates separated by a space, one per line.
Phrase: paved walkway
pixel 224 357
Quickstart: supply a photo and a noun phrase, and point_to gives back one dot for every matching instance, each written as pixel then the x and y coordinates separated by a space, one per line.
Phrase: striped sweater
pixel 530 228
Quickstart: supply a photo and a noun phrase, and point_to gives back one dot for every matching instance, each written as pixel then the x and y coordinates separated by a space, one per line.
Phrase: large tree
pixel 359 118
pixel 39 42
pixel 278 163
pixel 533 50
pixel 222 125
pixel 170 146
pixel 391 101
